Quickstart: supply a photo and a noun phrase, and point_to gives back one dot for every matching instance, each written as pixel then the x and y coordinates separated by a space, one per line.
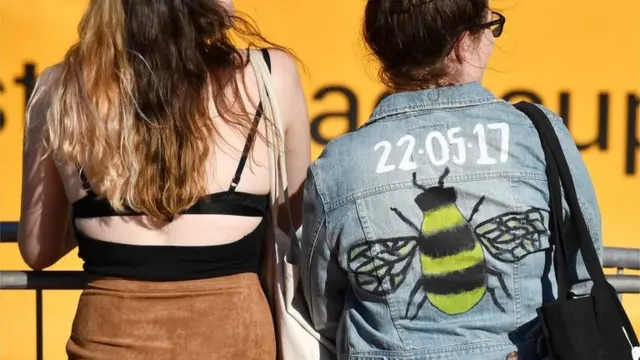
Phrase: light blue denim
pixel 454 264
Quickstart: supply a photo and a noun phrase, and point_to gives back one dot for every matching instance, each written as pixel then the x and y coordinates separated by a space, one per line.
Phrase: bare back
pixel 186 230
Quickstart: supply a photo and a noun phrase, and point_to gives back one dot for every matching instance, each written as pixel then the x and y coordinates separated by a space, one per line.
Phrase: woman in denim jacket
pixel 426 231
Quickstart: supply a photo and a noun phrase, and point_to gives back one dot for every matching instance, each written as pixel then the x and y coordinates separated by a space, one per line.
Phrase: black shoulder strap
pixel 252 133
pixel 558 173
pixel 556 219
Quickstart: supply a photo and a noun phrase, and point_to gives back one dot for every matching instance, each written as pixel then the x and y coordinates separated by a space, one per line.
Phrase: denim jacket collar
pixel 467 94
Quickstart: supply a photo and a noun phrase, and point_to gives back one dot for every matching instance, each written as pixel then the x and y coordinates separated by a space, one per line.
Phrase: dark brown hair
pixel 130 105
pixel 412 38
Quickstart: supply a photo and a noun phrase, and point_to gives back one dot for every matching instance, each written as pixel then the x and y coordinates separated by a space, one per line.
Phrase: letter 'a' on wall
pixel 582 62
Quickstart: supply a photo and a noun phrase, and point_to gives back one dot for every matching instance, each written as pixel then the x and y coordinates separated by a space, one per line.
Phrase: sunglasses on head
pixel 496 25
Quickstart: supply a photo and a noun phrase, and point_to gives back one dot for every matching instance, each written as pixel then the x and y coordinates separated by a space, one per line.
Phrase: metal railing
pixel 618 258
pixel 8 232
pixel 621 259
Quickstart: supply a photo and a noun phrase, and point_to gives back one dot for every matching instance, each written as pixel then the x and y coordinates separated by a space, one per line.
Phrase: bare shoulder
pixel 50 74
pixel 45 85
pixel 281 60
pixel 289 91
pixel 284 68
pixel 41 96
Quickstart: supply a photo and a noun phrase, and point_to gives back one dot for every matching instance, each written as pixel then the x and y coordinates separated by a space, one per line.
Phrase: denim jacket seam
pixel 483 345
pixel 320 221
pixel 316 232
pixel 337 203
pixel 516 266
pixel 403 115
pixel 319 189
pixel 441 106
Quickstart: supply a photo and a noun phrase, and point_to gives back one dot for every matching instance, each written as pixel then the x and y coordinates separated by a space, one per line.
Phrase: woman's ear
pixel 459 54
pixel 460 50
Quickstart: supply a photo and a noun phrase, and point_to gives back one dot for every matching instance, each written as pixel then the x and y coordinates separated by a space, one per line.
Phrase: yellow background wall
pixel 572 49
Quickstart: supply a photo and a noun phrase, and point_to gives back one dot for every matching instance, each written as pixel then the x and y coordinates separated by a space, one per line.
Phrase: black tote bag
pixel 594 327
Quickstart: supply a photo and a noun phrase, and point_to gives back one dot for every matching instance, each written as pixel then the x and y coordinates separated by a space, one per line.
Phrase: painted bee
pixel 454 271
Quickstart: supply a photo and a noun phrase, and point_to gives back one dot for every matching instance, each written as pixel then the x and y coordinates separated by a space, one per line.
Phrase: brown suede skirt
pixel 225 318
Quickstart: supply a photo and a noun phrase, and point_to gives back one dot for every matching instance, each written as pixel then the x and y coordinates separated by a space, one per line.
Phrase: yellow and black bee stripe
pixel 452 261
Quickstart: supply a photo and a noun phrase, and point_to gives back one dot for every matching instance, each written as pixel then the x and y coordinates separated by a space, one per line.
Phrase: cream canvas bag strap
pixel 298 340
pixel 276 148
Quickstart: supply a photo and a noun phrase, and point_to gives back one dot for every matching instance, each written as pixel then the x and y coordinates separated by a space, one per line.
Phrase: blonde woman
pixel 150 132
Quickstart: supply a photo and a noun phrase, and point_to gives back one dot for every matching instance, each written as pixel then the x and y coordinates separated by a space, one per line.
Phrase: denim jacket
pixel 426 231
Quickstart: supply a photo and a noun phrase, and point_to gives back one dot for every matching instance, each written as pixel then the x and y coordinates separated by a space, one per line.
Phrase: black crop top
pixel 175 263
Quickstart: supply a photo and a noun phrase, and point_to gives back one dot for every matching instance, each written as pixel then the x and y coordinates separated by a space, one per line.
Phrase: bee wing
pixel 511 236
pixel 381 266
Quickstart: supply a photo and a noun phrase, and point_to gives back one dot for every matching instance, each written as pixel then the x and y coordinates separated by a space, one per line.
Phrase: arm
pixel 44 235
pixel 293 105
pixel 324 281
pixel 588 204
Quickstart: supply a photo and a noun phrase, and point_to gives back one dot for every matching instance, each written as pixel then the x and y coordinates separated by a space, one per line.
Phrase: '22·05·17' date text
pixel 441 147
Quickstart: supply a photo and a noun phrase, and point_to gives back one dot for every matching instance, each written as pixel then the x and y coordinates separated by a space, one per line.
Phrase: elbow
pixel 36 266
pixel 34 260
pixel 33 256
pixel 39 250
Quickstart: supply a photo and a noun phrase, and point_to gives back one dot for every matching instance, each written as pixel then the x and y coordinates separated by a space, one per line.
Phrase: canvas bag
pixel 594 327
pixel 296 337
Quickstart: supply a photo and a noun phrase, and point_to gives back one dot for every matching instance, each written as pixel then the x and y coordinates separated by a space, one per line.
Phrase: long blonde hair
pixel 130 103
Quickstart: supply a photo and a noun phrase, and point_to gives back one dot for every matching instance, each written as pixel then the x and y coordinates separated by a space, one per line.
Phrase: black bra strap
pixel 252 133
pixel 226 208
pixel 247 149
